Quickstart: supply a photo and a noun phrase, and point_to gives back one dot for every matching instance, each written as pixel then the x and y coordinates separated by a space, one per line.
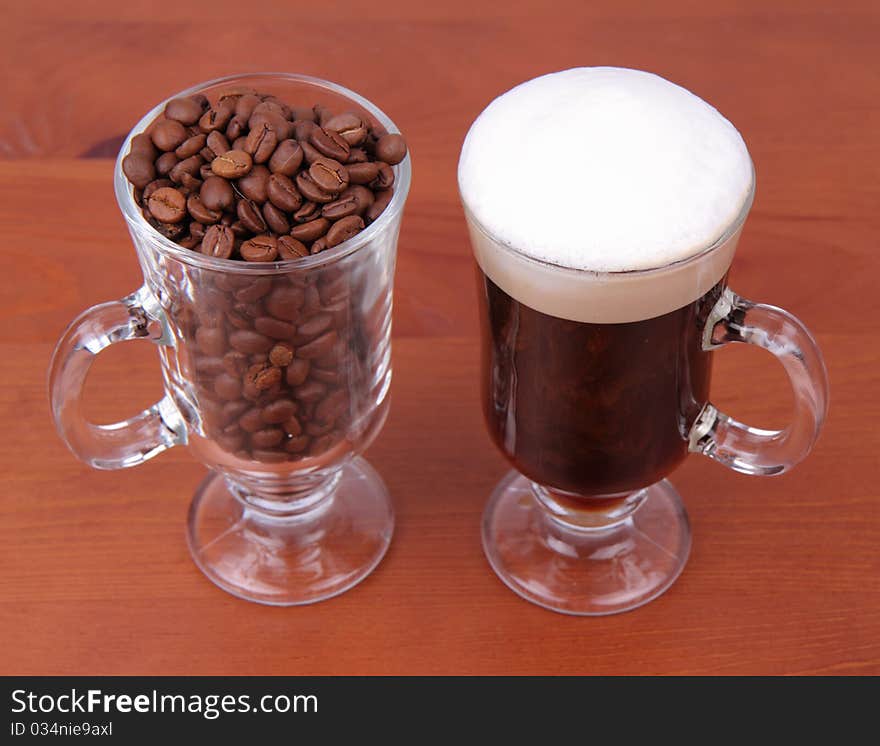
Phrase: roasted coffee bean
pixel 197 229
pixel 200 212
pixel 381 201
pixel 273 119
pixel 227 387
pixel 167 205
pixel 233 164
pixel 268 456
pixel 310 392
pixel 330 143
pixel 322 114
pixel 318 245
pixel 205 171
pixel 312 328
pixel 384 179
pixel 235 363
pixel 245 105
pixel 279 411
pixel 363 173
pixel 340 208
pixel 310 190
pixel 310 231
pixel 274 328
pixel 292 425
pixel 190 146
pixel 255 184
pixel 318 347
pixel 217 193
pixel 357 155
pixel 150 188
pixel 362 195
pixel 297 444
pixel 210 366
pixel 251 421
pixel 329 175
pixel 217 117
pixel 331 407
pixel 185 110
pixel 290 248
pixel 233 410
pixel 302 130
pixel 285 302
pixel 167 134
pixel 249 342
pixel 297 372
pixel 282 106
pixel 261 142
pixel 350 126
pixel 344 229
pixel 139 169
pixel 259 249
pixel 217 143
pixel 330 377
pixel 171 231
pixel 189 166
pixel 241 232
pixel 310 153
pixel 281 355
pixel 236 128
pixel 332 290
pixel 268 437
pixel 218 242
pixel 253 291
pixel 324 443
pixel 282 193
pixel 142 144
pixel 211 340
pixel 230 442
pixel 308 211
pixel 189 184
pixel 165 162
pixel 251 216
pixel 302 112
pixel 316 427
pixel 391 149
pixel 275 219
pixel 267 378
pixel 312 303
pixel 287 158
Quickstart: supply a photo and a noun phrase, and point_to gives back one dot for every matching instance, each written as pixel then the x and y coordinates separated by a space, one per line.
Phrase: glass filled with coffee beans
pixel 265 211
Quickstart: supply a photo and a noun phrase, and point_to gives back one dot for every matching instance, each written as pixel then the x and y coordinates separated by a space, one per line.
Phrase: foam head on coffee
pixel 603 170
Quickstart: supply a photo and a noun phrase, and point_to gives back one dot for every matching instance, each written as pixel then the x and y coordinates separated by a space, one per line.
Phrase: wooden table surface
pixel 95 577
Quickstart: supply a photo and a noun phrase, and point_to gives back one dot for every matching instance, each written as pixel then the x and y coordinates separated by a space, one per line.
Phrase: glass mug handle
pixel 747 449
pixel 121 444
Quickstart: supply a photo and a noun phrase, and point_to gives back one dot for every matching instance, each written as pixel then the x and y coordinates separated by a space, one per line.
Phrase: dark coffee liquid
pixel 592 409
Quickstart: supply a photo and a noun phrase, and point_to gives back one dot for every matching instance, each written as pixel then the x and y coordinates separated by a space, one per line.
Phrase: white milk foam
pixel 603 170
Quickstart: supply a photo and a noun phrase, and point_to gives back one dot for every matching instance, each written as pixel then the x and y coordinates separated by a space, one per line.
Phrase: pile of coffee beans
pixel 254 178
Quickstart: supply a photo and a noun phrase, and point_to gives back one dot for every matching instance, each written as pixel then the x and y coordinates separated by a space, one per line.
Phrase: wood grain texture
pixel 94 573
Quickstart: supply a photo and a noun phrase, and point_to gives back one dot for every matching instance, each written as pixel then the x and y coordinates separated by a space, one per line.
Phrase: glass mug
pixel 595 412
pixel 290 513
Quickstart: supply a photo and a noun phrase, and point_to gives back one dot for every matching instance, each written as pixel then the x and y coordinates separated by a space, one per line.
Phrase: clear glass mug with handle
pixel 290 513
pixel 599 395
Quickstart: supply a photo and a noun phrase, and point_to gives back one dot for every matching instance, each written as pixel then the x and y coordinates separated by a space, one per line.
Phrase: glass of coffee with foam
pixel 604 207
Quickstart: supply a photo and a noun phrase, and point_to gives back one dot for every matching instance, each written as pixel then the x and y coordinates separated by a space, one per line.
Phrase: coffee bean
pixel 233 410
pixel 189 184
pixel 274 328
pixel 330 143
pixel 292 425
pixel 310 153
pixel 261 142
pixel 244 106
pixel 282 193
pixel 310 392
pixel 233 164
pixel 217 193
pixel 331 407
pixel 250 216
pixel 190 146
pixel 290 248
pixel 217 117
pixel 217 143
pixel 267 377
pixel 260 249
pixel 308 211
pixel 312 328
pixel 241 232
pixel 297 372
pixel 330 377
pixel 235 363
pixel 318 347
pixel 324 443
pixel 322 114
pixel 362 173
pixel 165 162
pixel 329 175
pixel 391 149
pixel 384 179
pixel 138 169
pixel 236 128
pixel 273 119
pixel 357 155
pixel 255 184
pixel 197 229
pixel 344 229
pixel 200 212
pixel 211 341
pixel 318 246
pixel 281 355
pixel 218 242
pixel 316 427
pixel 251 421
pixel 227 387
pixel 285 302
pixel 287 158
pixel 382 198
pixel 254 290
pixel 205 171
pixel 185 110
pixel 249 342
pixel 168 205
pixel 340 208
pixel 275 219
pixel 362 195
pixel 310 190
pixel 302 129
pixel 350 126
pixel 230 442
pixel 297 444
pixel 310 231
pixel 142 144
pixel 171 231
pixel 150 188
pixel 268 437
pixel 279 411
pixel 167 134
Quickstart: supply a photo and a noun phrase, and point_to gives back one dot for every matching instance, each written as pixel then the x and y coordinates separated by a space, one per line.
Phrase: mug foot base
pixel 585 572
pixel 292 560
